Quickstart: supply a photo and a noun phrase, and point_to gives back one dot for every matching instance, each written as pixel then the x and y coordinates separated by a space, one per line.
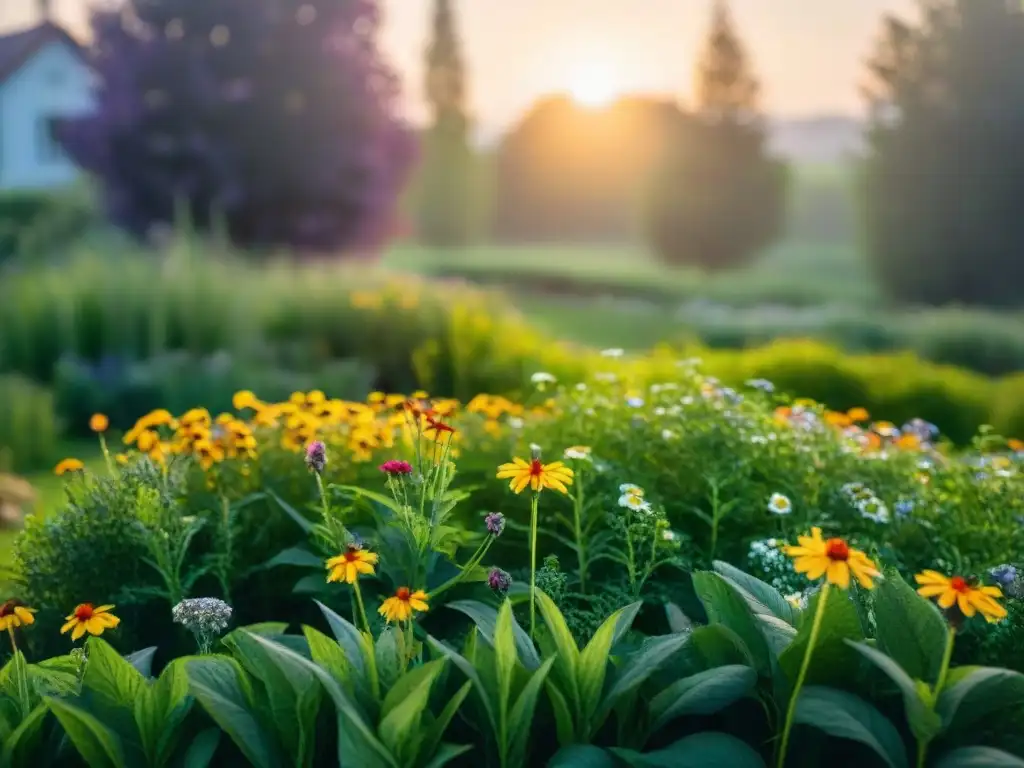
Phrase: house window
pixel 48 150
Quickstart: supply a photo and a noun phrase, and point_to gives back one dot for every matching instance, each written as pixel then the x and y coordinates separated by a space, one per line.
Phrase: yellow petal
pixel 964 605
pixel 78 631
pixel 931 590
pixel 839 574
pixel 71 622
pixel 947 599
pixel 931 577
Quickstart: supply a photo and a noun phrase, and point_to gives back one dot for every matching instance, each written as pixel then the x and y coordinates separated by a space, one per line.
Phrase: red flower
pixel 395 467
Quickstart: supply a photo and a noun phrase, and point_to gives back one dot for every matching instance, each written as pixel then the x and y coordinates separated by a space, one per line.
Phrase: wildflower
pixel 797 600
pixel 668 434
pixel 578 453
pixel 903 508
pixel 403 604
pixel 499 581
pixel 968 598
pixel 668 535
pixel 542 378
pixel 1015 445
pixel 536 475
pixel 612 352
pixel 316 456
pixel 635 402
pixel 495 522
pixel 99 423
pixel 87 618
pixel 762 384
pixel 396 467
pixel 68 465
pixel 873 509
pixel 206 616
pixel 779 504
pixel 514 422
pixel 858 415
pixel 350 564
pixel 14 613
pixel 1004 575
pixel 834 559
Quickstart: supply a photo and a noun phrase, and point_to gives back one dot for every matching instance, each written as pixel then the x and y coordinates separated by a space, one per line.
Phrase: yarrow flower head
pixel 542 378
pixel 968 598
pixel 834 559
pixel 779 504
pixel 14 614
pixel 499 581
pixel 495 522
pixel 396 468
pixel 204 617
pixel 316 456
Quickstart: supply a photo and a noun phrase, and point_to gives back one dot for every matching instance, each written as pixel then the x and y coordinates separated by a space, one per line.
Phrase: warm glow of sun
pixel 593 86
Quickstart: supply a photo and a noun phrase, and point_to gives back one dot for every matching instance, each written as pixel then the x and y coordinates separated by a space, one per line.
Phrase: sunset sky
pixel 809 55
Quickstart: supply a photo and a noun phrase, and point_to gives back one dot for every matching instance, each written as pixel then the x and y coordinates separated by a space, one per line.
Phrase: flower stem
pixel 819 615
pixel 940 683
pixel 533 562
pixel 361 607
pixel 581 552
pixel 472 563
pixel 106 456
pixel 23 702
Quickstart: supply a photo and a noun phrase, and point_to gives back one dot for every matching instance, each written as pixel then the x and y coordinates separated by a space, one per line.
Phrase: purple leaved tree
pixel 276 120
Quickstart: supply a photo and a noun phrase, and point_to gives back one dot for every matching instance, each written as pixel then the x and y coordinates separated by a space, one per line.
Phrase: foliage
pixel 28 424
pixel 164 145
pixel 34 223
pixel 932 79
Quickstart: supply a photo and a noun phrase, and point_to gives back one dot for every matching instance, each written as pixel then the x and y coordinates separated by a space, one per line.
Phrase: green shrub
pixel 34 224
pixel 29 427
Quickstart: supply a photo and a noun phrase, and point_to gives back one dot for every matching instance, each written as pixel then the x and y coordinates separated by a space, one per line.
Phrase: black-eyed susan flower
pixel 833 558
pixel 68 465
pixel 89 618
pixel 404 603
pixel 350 564
pixel 99 423
pixel 970 599
pixel 521 473
pixel 14 614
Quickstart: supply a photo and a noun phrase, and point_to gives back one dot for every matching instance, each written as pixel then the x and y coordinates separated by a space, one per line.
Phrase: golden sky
pixel 809 54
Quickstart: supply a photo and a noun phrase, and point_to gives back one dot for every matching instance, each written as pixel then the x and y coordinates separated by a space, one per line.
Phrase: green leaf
pixel 627 615
pixel 446 753
pixel 924 723
pixel 160 710
pixel 20 748
pixel 582 756
pixel 717 646
pixel 593 668
pixel 678 621
pixel 357 492
pixel 846 716
pixel 98 745
pixel 702 694
pixel 777 633
pixel 202 749
pixel 564 672
pixel 295 556
pixel 978 757
pixel 142 660
pixel 910 629
pixel 348 637
pixel 832 659
pixel 390 655
pixel 505 656
pixel 467 668
pixel 638 668
pixel 485 617
pixel 432 742
pixel 328 654
pixel 974 697
pixel 520 720
pixel 762 598
pixel 402 714
pixel 724 605
pixel 564 726
pixel 218 682
pixel 301 520
pixel 701 750
pixel 110 676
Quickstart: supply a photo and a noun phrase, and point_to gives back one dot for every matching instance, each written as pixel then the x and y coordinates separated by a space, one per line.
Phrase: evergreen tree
pixel 718 198
pixel 274 120
pixel 943 187
pixel 447 173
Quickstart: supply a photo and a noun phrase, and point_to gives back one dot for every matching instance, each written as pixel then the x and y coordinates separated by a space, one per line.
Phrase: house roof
pixel 18 47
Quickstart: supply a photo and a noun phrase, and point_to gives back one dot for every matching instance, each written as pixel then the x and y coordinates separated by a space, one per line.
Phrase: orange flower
pixel 68 465
pixel 956 589
pixel 858 415
pixel 99 423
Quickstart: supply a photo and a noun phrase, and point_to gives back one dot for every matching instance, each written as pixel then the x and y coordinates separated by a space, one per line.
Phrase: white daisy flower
pixel 542 377
pixel 779 504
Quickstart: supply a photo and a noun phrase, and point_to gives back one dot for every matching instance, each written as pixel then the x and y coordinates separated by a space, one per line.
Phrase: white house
pixel 44 77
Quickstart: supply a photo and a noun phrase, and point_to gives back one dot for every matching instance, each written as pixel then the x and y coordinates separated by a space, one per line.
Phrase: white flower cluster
pixel 206 616
pixel 865 501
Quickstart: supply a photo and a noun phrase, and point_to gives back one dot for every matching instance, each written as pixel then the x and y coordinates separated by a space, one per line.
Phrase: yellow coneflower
pixel 350 564
pixel 957 590
pixel 68 465
pixel 521 473
pixel 14 614
pixel 92 619
pixel 834 559
pixel 403 604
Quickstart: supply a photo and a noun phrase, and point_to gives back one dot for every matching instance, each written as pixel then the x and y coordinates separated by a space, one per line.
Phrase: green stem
pixel 361 607
pixel 533 562
pixel 323 496
pixel 581 554
pixel 819 615
pixel 106 456
pixel 472 563
pixel 22 667
pixel 940 683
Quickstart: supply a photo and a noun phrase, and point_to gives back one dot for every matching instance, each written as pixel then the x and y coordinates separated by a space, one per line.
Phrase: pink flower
pixel 396 467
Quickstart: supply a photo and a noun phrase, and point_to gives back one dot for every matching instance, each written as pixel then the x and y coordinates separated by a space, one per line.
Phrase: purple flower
pixel 499 581
pixel 495 522
pixel 316 456
pixel 1004 575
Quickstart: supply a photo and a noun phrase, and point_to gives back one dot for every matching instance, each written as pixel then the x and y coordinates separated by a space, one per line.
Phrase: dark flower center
pixel 536 468
pixel 7 608
pixel 403 594
pixel 84 612
pixel 837 549
pixel 959 584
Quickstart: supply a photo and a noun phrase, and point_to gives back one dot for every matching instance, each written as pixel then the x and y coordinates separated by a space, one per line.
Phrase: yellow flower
pixel 401 606
pixel 858 414
pixel 349 564
pixel 99 423
pixel 68 465
pixel 834 559
pixel 521 473
pixel 968 599
pixel 14 614
pixel 94 620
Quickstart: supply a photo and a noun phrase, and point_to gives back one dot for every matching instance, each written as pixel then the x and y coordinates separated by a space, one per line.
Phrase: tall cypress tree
pixel 719 199
pixel 445 213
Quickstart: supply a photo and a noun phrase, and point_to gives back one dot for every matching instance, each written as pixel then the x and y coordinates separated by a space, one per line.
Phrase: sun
pixel 593 86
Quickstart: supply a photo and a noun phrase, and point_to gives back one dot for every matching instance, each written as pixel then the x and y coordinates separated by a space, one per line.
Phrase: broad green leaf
pixel 432 742
pixel 301 520
pixel 627 615
pixel 263 629
pixel 832 659
pixel 520 720
pixel 638 668
pixel 717 646
pixel 202 749
pixel 98 745
pixel 762 598
pixel 485 617
pixel 390 655
pixel 910 629
pixel 978 757
pixel 678 621
pixel 582 756
pixel 348 637
pixel 446 753
pixel 709 749
pixel 219 683
pixel 160 709
pixel 328 654
pixel 110 676
pixel 724 605
pixel 983 691
pixel 564 673
pixel 846 716
pixel 505 657
pixel 403 708
pixel 777 633
pixel 295 556
pixel 142 660
pixel 593 668
pixel 20 747
pixel 564 725
pixel 702 694
pixel 469 670
pixel 924 723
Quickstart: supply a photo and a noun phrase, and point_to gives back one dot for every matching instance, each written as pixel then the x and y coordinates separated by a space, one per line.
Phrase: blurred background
pixel 200 196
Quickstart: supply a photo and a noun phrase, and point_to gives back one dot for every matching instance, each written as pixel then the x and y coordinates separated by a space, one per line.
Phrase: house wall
pixel 54 83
